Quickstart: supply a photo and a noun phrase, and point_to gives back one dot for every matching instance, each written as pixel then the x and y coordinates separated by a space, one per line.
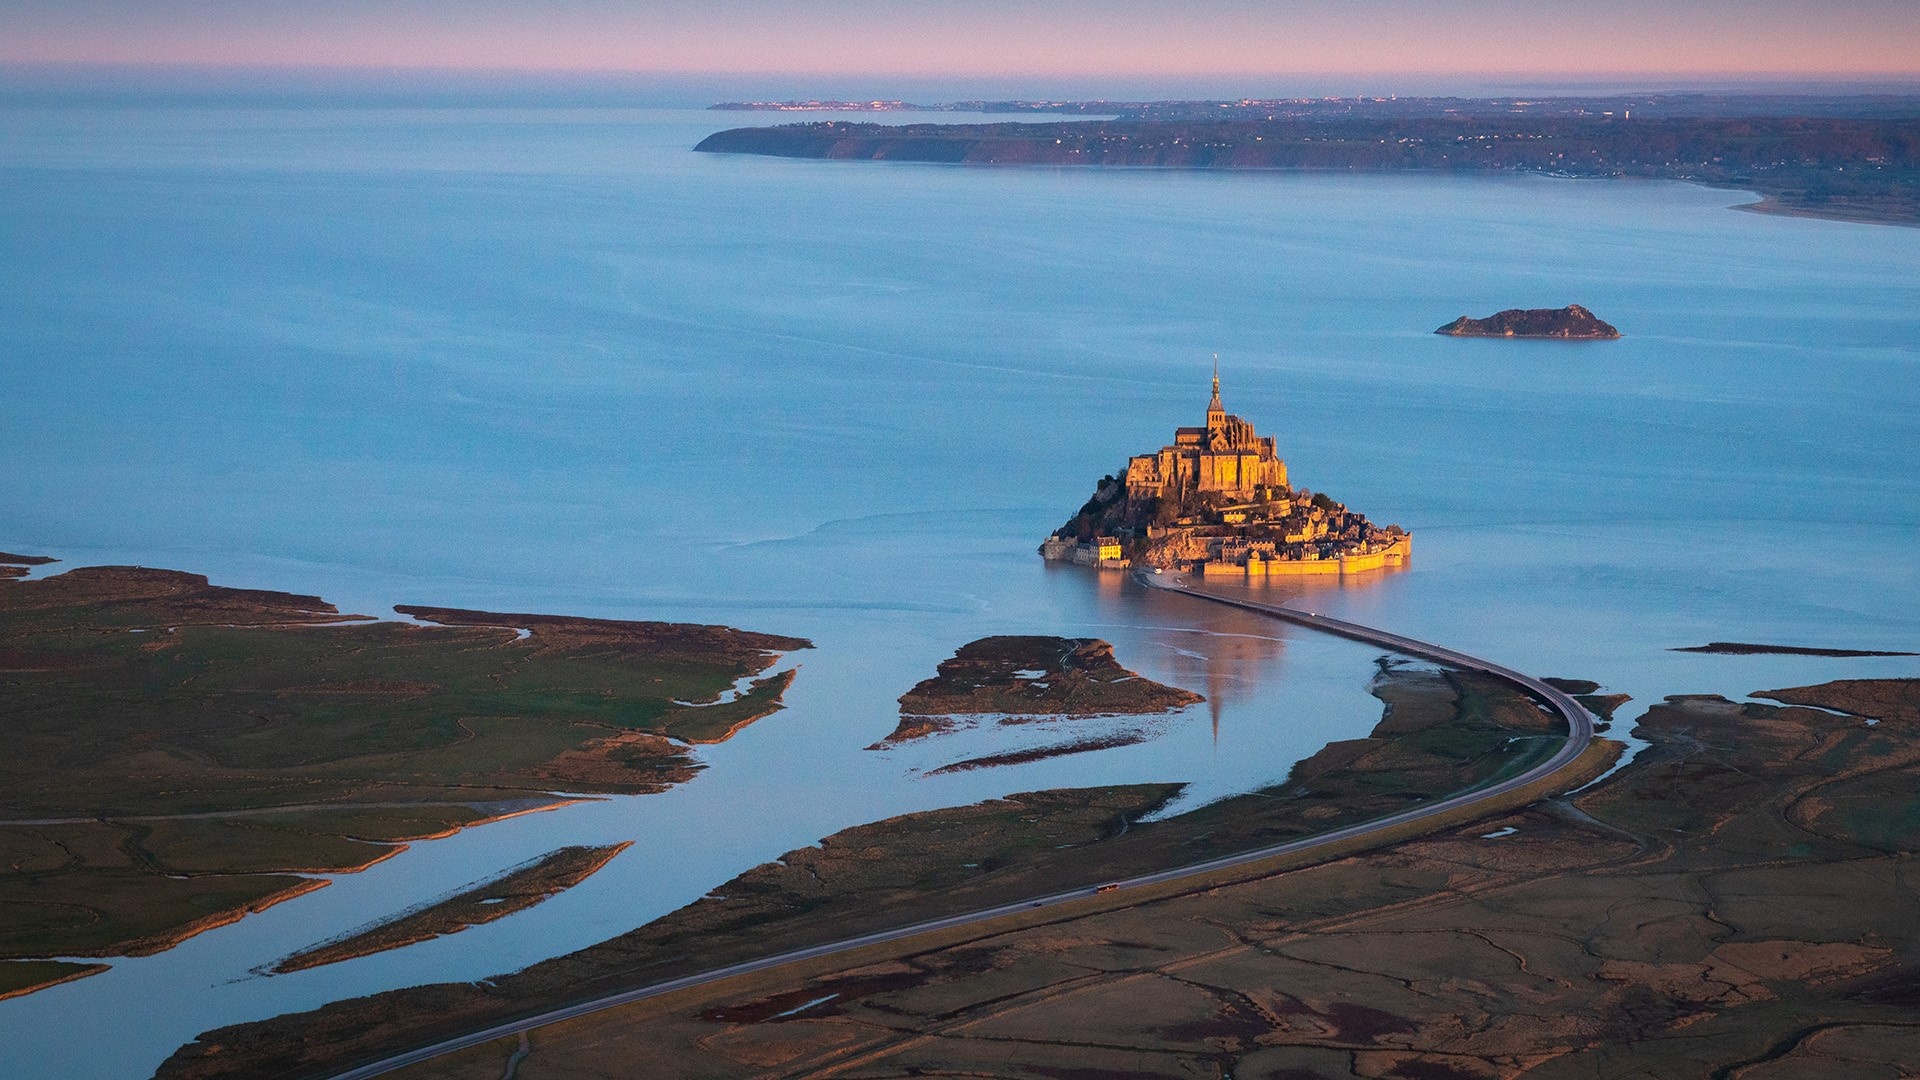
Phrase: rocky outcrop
pixel 1031 675
pixel 1572 322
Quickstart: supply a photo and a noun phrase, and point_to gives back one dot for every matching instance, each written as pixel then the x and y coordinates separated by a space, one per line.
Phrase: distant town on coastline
pixel 1217 502
pixel 1848 156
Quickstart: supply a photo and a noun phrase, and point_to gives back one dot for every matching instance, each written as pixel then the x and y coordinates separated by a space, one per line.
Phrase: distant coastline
pixel 1853 168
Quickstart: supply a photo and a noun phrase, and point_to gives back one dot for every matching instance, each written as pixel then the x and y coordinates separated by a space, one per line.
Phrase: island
pixel 181 753
pixel 1748 648
pixel 1217 502
pixel 1024 676
pixel 21 565
pixel 1572 322
pixel 518 889
pixel 1023 679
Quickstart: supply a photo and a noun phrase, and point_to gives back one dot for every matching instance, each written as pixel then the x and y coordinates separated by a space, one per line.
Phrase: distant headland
pixel 1218 501
pixel 1854 158
pixel 1572 322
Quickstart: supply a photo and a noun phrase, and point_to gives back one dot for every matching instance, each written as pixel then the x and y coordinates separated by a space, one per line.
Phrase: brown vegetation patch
pixel 921 866
pixel 1742 648
pixel 1679 920
pixel 1026 675
pixel 917 727
pixel 1881 699
pixel 384 687
pixel 22 661
pixel 814 1000
pixel 188 746
pixel 701 643
pixel 630 762
pixel 21 977
pixel 25 560
pixel 174 935
pixel 516 891
pixel 1042 753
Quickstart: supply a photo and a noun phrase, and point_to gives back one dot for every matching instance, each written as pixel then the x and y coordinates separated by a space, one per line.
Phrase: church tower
pixel 1216 412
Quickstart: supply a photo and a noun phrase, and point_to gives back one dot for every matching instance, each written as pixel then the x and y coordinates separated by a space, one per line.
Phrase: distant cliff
pixel 1572 321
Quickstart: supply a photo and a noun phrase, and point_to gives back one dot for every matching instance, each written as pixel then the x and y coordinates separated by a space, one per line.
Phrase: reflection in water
pixel 1232 657
pixel 1227 661
pixel 1225 654
pixel 1289 590
pixel 1231 652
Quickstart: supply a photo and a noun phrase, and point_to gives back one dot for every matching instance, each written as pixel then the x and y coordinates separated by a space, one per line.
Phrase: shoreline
pixel 1774 208
pixel 1762 204
pixel 80 971
pixel 177 844
pixel 1576 758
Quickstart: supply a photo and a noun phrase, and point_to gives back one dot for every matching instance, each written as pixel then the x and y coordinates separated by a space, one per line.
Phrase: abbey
pixel 1218 501
pixel 1225 455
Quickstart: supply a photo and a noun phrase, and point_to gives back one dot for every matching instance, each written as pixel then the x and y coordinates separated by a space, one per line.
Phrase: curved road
pixel 1580 734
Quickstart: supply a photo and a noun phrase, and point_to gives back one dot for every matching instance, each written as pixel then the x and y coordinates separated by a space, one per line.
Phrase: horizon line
pixel 922 75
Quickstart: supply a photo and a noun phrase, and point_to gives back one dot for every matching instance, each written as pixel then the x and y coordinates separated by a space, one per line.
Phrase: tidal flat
pixel 1441 732
pixel 183 754
pixel 1736 901
pixel 517 890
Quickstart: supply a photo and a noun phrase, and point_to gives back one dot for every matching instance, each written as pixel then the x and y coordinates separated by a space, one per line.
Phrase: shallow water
pixel 549 360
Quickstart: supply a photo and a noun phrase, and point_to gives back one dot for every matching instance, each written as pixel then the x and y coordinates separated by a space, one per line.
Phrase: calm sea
pixel 551 360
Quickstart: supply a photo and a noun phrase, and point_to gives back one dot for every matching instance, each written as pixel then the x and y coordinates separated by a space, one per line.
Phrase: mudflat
pixel 1747 648
pixel 181 753
pixel 518 890
pixel 14 566
pixel 1440 733
pixel 19 977
pixel 1735 902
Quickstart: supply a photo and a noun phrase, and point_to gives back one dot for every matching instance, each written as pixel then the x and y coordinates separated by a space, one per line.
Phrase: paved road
pixel 1580 734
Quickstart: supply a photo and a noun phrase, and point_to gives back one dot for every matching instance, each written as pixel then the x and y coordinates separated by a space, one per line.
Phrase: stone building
pixel 1226 456
pixel 1249 521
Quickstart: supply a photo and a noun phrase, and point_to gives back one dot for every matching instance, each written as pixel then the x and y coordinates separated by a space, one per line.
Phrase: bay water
pixel 549 359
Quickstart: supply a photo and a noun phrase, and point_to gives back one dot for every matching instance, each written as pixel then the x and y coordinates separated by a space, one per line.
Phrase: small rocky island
pixel 1021 675
pixel 1217 501
pixel 1015 679
pixel 1572 322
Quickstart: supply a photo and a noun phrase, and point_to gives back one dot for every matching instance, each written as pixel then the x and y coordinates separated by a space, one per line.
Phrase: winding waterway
pixel 549 360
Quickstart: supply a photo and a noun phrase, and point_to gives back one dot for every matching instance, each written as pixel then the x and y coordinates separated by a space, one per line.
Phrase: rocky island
pixel 1030 675
pixel 1024 678
pixel 1572 322
pixel 1217 501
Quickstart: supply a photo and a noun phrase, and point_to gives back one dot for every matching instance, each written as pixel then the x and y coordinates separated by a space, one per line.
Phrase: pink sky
pixel 1860 38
